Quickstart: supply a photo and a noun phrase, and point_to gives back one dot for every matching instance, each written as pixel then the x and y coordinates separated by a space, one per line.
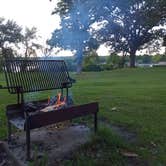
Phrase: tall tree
pixel 131 24
pixel 75 29
pixel 29 43
pixel 128 24
pixel 10 33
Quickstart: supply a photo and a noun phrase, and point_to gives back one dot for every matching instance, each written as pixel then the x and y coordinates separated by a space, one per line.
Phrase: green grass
pixel 140 98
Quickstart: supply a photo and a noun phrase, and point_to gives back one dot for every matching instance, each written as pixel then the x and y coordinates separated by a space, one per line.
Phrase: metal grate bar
pixel 36 75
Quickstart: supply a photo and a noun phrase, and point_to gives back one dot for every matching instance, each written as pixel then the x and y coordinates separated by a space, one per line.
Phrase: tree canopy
pixel 28 42
pixel 131 24
pixel 75 30
pixel 13 40
pixel 127 25
pixel 10 33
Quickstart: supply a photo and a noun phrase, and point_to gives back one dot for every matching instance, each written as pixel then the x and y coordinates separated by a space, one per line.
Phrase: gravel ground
pixel 49 142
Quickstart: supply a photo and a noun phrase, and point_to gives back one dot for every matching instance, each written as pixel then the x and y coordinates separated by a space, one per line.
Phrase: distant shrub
pixel 92 68
pixel 156 65
pixel 115 61
pixel 106 66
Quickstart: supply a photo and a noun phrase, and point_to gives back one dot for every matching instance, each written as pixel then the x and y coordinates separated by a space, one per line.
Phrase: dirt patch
pixel 122 131
pixel 6 158
pixel 53 144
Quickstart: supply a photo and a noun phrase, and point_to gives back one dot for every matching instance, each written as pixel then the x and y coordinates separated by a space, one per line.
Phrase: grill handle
pixel 5 87
pixel 72 80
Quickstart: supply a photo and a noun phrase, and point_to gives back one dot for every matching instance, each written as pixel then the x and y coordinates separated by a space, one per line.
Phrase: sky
pixel 31 13
pixel 35 13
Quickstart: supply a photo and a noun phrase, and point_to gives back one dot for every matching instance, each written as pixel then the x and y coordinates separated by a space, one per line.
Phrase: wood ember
pixel 128 153
pixel 51 108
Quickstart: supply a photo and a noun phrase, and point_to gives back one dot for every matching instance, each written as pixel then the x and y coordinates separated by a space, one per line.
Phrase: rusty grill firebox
pixel 26 76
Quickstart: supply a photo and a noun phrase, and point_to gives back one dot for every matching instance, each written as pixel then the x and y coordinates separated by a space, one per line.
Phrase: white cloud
pixel 103 50
pixel 31 13
pixel 35 13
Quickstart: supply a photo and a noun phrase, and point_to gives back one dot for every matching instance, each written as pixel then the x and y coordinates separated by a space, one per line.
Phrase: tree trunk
pixel 123 60
pixel 132 58
pixel 79 59
pixel 79 68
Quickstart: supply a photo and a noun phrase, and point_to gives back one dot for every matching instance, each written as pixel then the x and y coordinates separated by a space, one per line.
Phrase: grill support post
pixel 29 79
pixel 18 98
pixel 33 121
pixel 28 138
pixel 9 131
pixel 67 93
pixel 62 91
pixel 95 122
pixel 20 95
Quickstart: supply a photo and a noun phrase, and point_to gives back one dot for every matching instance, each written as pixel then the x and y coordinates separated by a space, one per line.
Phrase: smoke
pixel 74 33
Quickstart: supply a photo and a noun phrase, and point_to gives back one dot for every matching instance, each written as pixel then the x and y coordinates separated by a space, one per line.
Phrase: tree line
pixel 126 26
pixel 93 62
pixel 13 39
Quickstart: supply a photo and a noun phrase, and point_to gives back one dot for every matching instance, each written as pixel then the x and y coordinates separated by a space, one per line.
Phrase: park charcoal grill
pixel 26 76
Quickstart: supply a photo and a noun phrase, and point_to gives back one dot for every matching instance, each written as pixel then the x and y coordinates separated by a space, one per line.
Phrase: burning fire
pixel 60 103
pixel 48 100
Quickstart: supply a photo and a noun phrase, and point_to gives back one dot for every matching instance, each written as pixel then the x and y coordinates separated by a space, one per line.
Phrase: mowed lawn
pixel 139 96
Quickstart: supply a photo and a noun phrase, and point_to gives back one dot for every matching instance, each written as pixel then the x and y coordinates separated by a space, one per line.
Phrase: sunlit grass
pixel 139 96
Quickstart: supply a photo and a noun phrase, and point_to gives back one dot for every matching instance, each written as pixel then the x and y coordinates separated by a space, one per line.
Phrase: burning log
pixel 58 104
pixel 48 100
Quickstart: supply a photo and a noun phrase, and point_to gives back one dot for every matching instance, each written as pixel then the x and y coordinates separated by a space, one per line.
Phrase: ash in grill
pixel 27 76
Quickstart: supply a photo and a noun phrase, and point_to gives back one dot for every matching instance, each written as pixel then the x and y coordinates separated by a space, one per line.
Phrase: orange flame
pixel 60 103
pixel 48 100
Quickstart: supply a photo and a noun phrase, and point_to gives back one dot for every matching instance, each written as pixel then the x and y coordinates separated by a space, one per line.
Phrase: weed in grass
pixel 103 149
pixel 38 161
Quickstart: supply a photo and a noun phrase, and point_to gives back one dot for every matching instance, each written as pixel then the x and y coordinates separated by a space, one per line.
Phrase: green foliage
pixel 140 96
pixel 145 59
pixel 106 66
pixel 91 62
pixel 63 7
pixel 29 44
pixel 164 41
pixel 156 58
pixel 92 68
pixel 103 148
pixel 127 24
pixel 163 58
pixel 71 65
pixel 10 33
pixel 115 61
pixel 74 32
pixel 38 162
pixel 92 58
